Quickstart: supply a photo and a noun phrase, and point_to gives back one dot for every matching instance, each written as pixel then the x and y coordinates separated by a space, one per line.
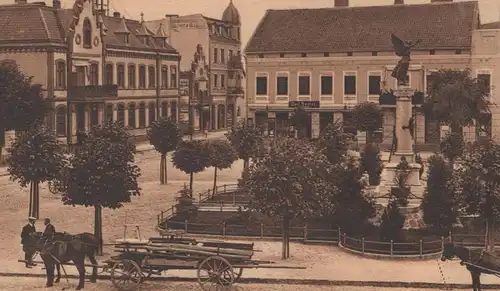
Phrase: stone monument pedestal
pixel 404 149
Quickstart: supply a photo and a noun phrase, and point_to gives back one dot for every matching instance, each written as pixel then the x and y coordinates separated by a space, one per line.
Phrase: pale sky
pixel 251 11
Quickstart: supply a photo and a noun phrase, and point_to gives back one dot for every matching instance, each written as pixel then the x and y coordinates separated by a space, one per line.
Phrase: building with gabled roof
pixel 331 59
pixel 220 42
pixel 98 67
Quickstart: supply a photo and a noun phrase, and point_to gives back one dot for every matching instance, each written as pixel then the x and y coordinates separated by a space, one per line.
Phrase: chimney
pixel 341 3
pixel 441 1
pixel 396 2
pixel 56 4
pixel 21 1
pixel 116 14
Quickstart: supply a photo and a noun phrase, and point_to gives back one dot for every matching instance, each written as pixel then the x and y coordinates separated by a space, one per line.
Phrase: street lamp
pixel 202 91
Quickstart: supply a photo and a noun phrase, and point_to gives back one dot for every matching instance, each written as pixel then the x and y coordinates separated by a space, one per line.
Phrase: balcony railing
pixel 235 90
pixel 93 91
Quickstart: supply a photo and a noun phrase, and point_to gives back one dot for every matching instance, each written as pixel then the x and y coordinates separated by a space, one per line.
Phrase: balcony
pixel 237 90
pixel 93 92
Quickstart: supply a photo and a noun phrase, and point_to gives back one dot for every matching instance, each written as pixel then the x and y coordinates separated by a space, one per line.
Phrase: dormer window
pixel 87 33
pixel 219 30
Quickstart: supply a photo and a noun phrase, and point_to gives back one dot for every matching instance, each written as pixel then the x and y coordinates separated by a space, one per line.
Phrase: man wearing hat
pixel 27 241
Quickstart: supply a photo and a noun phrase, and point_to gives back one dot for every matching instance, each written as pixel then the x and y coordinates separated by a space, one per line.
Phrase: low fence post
pixel 158 219
pixel 345 239
pixel 421 248
pixel 162 216
pixel 450 238
pixel 442 243
pixel 262 230
pixel 392 247
pixel 173 210
pixel 221 205
pixel 234 197
pixel 340 235
pixel 305 232
pixel 362 245
pixel 224 188
pixel 186 226
pixel 224 228
pixel 199 200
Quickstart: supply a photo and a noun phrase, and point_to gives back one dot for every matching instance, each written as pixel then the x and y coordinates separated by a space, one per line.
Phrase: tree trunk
pixel 165 166
pixel 215 181
pixel 191 183
pixel 34 208
pixel 368 137
pixel 162 175
pixel 489 242
pixel 246 163
pixel 98 227
pixel 287 231
pixel 283 236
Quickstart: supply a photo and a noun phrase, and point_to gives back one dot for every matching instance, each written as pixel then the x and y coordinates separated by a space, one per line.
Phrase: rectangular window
pixel 485 78
pixel 428 81
pixel 108 74
pixel 120 75
pixel 94 74
pixel 350 85
pixel 164 77
pixel 216 55
pixel 304 85
pixel 222 81
pixel 131 76
pixel 216 81
pixel 282 85
pixel 326 85
pixel 173 77
pixel 152 77
pixel 222 56
pixel 261 85
pixel 374 85
pixel 142 77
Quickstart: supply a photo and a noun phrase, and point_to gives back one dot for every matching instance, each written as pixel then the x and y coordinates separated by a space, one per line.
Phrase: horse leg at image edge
pixel 478 280
pixel 474 280
pixel 58 269
pixel 80 266
pixel 92 259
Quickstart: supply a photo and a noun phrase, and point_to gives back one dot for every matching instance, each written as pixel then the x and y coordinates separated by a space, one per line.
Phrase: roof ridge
pixel 44 22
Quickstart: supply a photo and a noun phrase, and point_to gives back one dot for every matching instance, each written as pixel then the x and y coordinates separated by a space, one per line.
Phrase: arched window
pixel 164 108
pixel 120 113
pixel 142 76
pixel 131 76
pixel 87 33
pixel 120 75
pixel 173 111
pixel 142 115
pixel 152 77
pixel 61 121
pixel 108 74
pixel 131 115
pixel 164 77
pixel 60 75
pixel 152 112
pixel 173 77
pixel 109 112
pixel 94 74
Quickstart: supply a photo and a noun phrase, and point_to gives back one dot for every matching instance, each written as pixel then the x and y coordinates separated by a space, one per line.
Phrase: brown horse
pixel 64 248
pixel 476 261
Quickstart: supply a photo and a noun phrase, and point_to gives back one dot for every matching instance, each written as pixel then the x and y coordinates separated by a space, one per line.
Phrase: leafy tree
pixel 164 134
pixel 102 173
pixel 368 117
pixel 35 156
pixel 452 146
pixel 21 102
pixel 333 142
pixel 372 163
pixel 221 156
pixel 392 221
pixel 353 207
pixel 191 157
pixel 456 99
pixel 476 182
pixel 300 121
pixel 438 203
pixel 246 140
pixel 291 181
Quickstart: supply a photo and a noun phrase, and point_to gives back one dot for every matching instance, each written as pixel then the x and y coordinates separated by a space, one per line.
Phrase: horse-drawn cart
pixel 218 264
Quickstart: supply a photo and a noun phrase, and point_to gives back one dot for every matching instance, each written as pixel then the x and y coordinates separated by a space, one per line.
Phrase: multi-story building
pixel 96 66
pixel 331 59
pixel 214 46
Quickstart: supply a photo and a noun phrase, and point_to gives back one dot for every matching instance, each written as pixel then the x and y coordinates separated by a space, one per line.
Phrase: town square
pixel 334 145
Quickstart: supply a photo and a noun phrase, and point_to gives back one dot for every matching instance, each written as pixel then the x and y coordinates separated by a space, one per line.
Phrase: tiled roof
pixel 343 29
pixel 29 23
pixel 34 23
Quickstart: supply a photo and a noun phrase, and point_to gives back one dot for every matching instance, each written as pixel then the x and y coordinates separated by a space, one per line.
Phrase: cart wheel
pixel 237 272
pixel 52 187
pixel 215 273
pixel 126 275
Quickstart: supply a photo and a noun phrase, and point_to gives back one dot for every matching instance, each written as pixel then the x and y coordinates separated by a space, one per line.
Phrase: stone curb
pixel 395 284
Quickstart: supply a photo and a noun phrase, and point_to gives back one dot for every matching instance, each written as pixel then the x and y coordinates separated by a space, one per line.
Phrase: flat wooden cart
pixel 218 264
